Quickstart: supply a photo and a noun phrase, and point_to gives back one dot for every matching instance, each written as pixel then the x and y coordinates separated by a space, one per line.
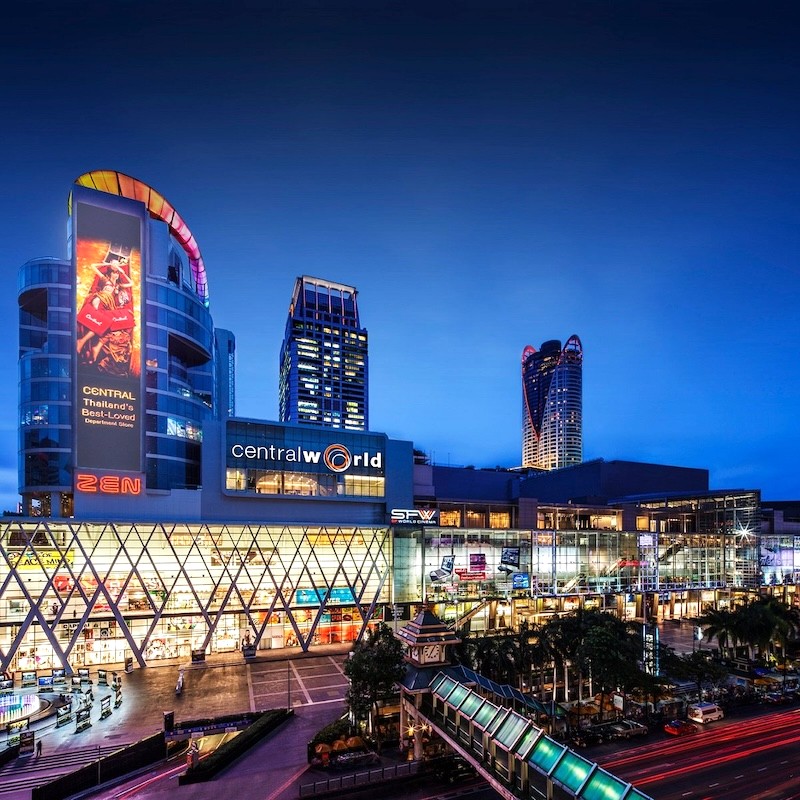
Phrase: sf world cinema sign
pixel 336 457
pixel 414 516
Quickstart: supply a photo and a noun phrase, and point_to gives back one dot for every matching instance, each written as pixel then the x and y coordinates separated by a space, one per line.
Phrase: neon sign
pixel 107 484
pixel 414 516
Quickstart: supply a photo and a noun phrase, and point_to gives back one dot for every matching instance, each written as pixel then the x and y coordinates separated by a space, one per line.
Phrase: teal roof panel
pixel 545 754
pixel 572 771
pixel 511 731
pixel 603 786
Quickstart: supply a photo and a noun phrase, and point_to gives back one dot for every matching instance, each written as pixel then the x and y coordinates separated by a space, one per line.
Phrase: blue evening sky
pixel 487 174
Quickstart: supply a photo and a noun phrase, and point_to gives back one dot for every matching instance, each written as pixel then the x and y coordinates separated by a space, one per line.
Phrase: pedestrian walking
pixel 38 747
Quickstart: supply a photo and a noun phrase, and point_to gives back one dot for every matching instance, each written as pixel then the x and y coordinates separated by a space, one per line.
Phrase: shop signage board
pixel 27 742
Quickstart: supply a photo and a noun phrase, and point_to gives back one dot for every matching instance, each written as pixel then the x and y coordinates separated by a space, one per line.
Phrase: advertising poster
pixel 477 562
pixel 521 580
pixel 108 289
pixel 510 556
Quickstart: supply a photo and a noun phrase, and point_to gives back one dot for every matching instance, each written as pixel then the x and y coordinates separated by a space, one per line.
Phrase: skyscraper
pixel 552 404
pixel 116 351
pixel 323 361
pixel 225 363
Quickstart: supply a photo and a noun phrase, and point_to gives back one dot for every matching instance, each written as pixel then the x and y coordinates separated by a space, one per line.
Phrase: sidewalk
pixel 311 683
pixel 217 686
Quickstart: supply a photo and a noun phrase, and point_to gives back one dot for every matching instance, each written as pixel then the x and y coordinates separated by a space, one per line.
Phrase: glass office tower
pixel 323 360
pixel 552 405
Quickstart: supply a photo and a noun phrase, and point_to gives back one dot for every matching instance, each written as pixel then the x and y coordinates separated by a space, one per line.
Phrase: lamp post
pixel 415 731
pixel 288 685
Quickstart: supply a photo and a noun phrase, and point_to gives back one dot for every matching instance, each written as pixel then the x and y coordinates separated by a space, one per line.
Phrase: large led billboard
pixel 108 339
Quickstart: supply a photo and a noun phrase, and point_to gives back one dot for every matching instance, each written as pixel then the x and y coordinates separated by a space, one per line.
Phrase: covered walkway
pixel 512 753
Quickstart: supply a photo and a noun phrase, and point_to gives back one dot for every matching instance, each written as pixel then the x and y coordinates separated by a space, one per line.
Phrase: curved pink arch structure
pixel 157 205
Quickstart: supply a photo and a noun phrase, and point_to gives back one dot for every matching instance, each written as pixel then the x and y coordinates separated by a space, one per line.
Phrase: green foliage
pixel 697 667
pixel 374 669
pixel 339 729
pixel 208 767
pixel 759 624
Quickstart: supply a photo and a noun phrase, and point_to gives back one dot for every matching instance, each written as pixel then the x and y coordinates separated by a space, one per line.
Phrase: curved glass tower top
pixel 552 405
pixel 158 207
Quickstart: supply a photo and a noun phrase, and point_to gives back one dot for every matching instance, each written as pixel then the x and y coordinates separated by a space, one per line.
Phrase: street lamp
pixel 413 731
pixel 421 727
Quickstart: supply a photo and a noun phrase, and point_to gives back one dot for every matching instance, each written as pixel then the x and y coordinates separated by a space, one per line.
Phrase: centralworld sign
pixel 336 457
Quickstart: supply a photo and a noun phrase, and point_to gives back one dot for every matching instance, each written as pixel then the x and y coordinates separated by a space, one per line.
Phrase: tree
pixel 495 657
pixel 611 659
pixel 696 667
pixel 722 625
pixel 374 669
pixel 787 625
pixel 755 625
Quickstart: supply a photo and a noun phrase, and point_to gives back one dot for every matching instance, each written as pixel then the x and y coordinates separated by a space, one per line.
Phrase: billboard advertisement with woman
pixel 108 295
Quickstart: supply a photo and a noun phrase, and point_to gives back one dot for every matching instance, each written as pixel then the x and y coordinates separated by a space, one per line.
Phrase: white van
pixel 705 712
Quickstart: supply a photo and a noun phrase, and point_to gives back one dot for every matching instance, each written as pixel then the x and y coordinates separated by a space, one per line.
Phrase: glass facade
pixel 707 540
pixel 323 362
pixel 45 387
pixel 84 594
pixel 552 405
pixel 180 379
pixel 671 557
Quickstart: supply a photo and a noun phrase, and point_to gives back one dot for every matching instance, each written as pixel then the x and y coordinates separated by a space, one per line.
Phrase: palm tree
pixel 755 625
pixel 494 657
pixel 786 624
pixel 540 658
pixel 720 624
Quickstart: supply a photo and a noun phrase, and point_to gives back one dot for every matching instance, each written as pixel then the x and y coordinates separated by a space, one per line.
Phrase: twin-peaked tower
pixel 552 405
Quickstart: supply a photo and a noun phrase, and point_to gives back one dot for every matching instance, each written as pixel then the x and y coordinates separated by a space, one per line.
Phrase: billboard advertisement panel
pixel 108 302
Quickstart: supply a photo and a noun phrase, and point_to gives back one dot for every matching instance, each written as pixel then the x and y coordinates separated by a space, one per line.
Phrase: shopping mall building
pixel 156 524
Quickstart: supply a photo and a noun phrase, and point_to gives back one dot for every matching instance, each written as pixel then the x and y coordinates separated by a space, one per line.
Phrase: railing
pixel 340 783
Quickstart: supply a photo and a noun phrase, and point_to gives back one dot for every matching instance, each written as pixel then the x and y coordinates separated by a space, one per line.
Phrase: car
pixel 606 731
pixel 586 738
pixel 705 712
pixel 679 727
pixel 627 728
pixel 776 698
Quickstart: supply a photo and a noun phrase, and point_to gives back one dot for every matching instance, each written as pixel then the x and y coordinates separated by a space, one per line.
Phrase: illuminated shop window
pixel 268 482
pixel 450 518
pixel 476 519
pixel 363 486
pixel 299 483
pixel 499 519
pixel 235 480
